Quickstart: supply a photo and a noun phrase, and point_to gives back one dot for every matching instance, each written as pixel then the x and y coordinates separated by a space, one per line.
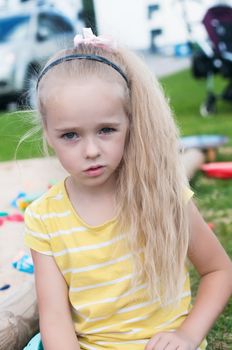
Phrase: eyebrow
pixel 100 125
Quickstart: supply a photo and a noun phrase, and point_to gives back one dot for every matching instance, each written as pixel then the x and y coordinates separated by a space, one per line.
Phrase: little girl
pixel 110 242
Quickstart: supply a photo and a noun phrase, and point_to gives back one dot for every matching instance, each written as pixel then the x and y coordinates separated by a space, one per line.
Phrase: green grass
pixel 12 127
pixel 213 196
pixel 186 95
pixel 214 201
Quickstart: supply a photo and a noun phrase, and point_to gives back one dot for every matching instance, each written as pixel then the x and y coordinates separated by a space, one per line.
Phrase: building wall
pixel 128 20
pixel 125 20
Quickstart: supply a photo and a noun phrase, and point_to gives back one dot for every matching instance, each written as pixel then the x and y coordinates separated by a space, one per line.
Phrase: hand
pixel 171 341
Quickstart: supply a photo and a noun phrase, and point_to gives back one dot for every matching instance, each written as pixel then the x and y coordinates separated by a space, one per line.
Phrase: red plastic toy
pixel 220 170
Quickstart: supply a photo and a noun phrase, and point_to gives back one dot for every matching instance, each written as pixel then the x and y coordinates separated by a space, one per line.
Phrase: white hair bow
pixel 88 38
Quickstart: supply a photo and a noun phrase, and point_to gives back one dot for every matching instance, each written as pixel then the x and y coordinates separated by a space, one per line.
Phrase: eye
pixel 107 130
pixel 70 136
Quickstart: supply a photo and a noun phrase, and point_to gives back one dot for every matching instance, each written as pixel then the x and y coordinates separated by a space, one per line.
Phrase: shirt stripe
pixel 88 347
pixel 78 307
pixel 48 216
pixel 103 284
pixel 95 267
pixel 89 247
pixel 117 325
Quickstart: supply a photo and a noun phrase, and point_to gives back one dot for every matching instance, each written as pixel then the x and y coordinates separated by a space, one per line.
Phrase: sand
pixel 33 177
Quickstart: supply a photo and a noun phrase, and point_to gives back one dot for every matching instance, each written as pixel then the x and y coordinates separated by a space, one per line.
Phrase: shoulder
pixel 51 201
pixel 40 215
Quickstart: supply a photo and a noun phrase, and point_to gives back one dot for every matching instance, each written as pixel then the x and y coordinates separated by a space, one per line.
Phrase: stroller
pixel 215 56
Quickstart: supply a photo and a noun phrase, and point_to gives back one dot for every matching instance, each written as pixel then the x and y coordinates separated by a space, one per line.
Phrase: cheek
pixel 66 153
pixel 125 137
pixel 60 151
pixel 119 147
pixel 69 161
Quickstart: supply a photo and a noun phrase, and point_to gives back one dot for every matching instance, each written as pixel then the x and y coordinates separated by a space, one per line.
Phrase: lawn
pixel 213 196
pixel 12 127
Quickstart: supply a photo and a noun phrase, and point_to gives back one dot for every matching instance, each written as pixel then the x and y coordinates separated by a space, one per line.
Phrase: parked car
pixel 27 39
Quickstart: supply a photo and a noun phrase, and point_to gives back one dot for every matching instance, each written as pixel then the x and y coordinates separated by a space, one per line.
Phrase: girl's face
pixel 86 125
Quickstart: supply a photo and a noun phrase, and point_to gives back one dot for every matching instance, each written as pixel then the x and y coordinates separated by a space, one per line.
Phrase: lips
pixel 94 170
pixel 94 167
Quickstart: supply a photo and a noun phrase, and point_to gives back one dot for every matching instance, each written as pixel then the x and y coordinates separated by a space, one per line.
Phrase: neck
pixel 95 205
pixel 95 192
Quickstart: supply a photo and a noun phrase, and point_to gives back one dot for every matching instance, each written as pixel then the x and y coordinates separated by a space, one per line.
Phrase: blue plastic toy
pixel 24 263
pixel 203 141
pixel 35 343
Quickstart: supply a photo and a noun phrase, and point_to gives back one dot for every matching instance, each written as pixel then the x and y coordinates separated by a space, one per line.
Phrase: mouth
pixel 94 167
pixel 95 170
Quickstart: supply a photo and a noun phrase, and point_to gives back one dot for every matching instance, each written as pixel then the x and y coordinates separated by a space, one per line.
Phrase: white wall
pixel 125 20
pixel 173 16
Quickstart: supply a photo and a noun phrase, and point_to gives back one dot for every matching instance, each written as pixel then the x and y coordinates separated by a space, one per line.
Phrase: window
pixel 13 28
pixel 54 24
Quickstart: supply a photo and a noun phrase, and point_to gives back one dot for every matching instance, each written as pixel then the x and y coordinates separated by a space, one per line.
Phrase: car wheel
pixel 3 106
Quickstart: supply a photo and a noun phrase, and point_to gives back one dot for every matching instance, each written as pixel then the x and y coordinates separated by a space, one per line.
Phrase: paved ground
pixel 33 176
pixel 164 65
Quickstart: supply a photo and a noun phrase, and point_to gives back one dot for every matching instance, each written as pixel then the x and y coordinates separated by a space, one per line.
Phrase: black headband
pixel 86 57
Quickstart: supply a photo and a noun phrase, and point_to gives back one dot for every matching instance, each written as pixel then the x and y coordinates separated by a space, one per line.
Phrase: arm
pixel 56 324
pixel 215 269
pixel 215 289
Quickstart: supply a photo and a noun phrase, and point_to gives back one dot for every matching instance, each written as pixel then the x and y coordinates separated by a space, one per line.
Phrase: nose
pixel 92 150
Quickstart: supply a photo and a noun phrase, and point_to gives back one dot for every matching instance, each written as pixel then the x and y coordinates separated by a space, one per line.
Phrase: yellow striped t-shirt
pixel 97 267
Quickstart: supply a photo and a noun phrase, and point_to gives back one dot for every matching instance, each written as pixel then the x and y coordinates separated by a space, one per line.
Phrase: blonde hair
pixel 151 180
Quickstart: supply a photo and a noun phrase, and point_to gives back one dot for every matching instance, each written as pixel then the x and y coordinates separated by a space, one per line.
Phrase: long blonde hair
pixel 151 180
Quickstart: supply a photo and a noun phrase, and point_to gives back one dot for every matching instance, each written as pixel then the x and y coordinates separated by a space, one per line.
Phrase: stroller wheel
pixel 208 107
